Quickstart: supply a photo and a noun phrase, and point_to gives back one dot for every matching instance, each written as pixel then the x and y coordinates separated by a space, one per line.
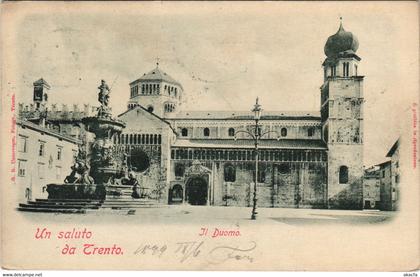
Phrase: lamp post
pixel 256 136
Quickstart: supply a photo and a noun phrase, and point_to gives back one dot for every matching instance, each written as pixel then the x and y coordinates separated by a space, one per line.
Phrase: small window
pixel 310 132
pixel 58 172
pixel 59 152
pixel 41 151
pixel 206 132
pixel 229 173
pixel 184 132
pixel 150 109
pixel 23 144
pixel 41 171
pixel 344 175
pixel 231 132
pixel 21 168
pixel 283 132
pixel 179 170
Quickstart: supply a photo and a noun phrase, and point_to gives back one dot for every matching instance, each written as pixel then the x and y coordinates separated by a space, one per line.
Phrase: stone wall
pixel 348 195
pixel 286 184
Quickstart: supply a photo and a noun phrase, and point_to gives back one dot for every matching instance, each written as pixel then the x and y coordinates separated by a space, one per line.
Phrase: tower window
pixel 231 132
pixel 206 132
pixel 310 132
pixel 343 175
pixel 346 69
pixel 184 132
pixel 355 69
pixel 283 132
pixel 333 70
pixel 142 89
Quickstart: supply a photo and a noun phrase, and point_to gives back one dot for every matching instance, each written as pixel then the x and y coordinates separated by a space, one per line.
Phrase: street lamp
pixel 256 136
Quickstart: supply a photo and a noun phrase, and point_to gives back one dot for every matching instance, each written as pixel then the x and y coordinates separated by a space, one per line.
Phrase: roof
pixel 41 82
pixel 384 164
pixel 138 106
pixel 248 143
pixel 247 115
pixel 393 148
pixel 41 129
pixel 157 75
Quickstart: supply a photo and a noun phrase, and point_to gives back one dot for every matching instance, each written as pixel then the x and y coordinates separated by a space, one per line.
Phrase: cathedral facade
pixel 308 159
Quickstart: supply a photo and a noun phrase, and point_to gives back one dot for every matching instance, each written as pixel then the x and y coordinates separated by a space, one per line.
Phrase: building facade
pixel 307 159
pixel 44 156
pixel 311 159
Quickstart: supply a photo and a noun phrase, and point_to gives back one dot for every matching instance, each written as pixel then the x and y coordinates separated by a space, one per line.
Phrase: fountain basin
pixel 76 191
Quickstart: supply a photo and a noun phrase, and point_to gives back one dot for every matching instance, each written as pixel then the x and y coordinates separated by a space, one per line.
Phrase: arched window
pixel 310 132
pixel 343 175
pixel 231 132
pixel 229 173
pixel 283 132
pixel 184 132
pixel 206 132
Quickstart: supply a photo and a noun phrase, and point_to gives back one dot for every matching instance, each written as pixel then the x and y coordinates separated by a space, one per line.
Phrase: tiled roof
pixel 248 143
pixel 244 115
pixel 157 75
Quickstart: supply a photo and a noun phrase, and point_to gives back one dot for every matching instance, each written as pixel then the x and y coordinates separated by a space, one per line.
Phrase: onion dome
pixel 342 42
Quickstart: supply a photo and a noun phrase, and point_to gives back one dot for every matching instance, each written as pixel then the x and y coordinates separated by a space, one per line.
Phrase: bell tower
pixel 342 120
pixel 157 92
pixel 41 88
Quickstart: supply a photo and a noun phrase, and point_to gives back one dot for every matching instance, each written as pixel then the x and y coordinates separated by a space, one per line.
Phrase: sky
pixel 223 54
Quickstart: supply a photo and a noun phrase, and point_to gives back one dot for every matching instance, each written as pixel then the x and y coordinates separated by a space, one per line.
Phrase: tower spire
pixel 341 23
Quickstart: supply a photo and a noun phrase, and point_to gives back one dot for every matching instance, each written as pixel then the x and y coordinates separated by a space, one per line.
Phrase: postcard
pixel 277 136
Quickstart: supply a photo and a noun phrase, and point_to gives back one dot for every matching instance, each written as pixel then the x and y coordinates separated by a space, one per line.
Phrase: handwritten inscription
pixel 189 250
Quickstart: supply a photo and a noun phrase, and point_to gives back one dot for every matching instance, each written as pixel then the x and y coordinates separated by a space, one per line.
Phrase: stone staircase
pixel 84 205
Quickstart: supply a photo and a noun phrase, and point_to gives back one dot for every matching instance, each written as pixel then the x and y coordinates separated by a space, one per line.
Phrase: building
pixel 371 188
pixel 308 159
pixel 390 180
pixel 44 156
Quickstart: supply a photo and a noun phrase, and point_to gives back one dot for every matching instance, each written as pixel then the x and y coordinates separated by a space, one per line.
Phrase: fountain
pixel 93 176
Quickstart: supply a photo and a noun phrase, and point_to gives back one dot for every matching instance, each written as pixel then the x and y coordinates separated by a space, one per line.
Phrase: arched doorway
pixel 176 194
pixel 196 191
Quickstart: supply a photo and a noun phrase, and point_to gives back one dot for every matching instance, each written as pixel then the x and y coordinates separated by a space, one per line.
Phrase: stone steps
pixel 49 210
pixel 83 205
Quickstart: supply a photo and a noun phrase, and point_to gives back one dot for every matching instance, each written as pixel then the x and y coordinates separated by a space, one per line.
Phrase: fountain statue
pixel 93 176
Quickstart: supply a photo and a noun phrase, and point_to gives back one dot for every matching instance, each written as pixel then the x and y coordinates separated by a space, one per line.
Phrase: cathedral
pixel 306 159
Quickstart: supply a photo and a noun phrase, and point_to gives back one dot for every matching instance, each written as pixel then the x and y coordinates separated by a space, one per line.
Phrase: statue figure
pixel 132 181
pixel 103 96
pixel 72 178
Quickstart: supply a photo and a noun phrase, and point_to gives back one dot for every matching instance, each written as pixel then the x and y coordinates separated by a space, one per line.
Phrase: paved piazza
pixel 186 214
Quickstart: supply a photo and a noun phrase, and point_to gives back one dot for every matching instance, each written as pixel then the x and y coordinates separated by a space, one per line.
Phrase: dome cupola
pixel 342 42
